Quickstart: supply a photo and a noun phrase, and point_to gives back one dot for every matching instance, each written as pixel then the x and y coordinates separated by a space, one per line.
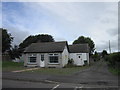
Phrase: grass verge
pixel 59 71
pixel 11 66
pixel 115 71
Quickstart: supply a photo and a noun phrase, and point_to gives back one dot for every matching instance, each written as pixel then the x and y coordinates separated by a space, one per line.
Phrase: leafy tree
pixel 82 40
pixel 15 52
pixel 104 53
pixel 6 40
pixel 33 39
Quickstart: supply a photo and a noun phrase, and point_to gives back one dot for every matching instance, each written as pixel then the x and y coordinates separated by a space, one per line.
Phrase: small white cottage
pixel 47 54
pixel 55 54
pixel 79 53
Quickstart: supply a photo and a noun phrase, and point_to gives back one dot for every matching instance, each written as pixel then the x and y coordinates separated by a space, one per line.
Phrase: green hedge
pixel 113 60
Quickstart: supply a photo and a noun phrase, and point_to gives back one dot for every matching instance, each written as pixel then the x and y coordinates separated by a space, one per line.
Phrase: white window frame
pixel 32 55
pixel 55 54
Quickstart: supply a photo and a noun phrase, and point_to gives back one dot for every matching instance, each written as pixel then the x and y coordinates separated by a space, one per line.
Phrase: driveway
pixel 95 76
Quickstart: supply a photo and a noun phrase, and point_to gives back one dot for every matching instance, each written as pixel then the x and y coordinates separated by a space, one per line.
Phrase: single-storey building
pixel 55 54
pixel 79 53
pixel 47 54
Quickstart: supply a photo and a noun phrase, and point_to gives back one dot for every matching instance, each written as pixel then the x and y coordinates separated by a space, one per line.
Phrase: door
pixel 42 61
pixel 79 60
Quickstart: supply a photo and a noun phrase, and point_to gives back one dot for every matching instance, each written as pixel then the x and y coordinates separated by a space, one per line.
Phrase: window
pixel 42 57
pixel 32 59
pixel 53 58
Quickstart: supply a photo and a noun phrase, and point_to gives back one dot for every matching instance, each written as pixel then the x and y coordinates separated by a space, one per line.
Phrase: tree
pixel 6 40
pixel 82 40
pixel 104 53
pixel 15 52
pixel 33 39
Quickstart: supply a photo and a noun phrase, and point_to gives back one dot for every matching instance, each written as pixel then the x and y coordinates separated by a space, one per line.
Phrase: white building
pixel 79 53
pixel 55 54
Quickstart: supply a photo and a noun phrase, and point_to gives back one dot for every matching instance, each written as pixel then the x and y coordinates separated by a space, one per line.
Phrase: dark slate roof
pixel 79 48
pixel 43 47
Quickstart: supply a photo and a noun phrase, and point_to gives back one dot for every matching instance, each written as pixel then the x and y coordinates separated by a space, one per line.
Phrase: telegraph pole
pixel 109 47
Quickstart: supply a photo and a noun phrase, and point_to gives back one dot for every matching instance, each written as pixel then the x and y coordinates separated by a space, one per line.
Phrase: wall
pixel 65 56
pixel 79 61
pixel 46 60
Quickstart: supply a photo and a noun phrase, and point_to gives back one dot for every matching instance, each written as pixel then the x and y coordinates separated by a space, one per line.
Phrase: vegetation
pixel 6 40
pixel 88 40
pixel 37 38
pixel 96 57
pixel 104 53
pixel 114 62
pixel 11 66
pixel 59 71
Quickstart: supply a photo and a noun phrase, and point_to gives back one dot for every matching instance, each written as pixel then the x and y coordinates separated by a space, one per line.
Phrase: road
pixel 97 77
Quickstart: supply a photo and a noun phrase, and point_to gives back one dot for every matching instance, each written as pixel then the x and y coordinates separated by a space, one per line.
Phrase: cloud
pixel 113 32
pixel 65 21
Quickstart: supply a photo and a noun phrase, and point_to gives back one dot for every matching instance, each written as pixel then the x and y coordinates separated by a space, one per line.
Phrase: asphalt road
pixel 97 77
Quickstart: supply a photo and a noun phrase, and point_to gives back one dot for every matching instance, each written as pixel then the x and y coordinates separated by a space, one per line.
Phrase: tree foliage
pixel 6 40
pixel 15 52
pixel 104 53
pixel 37 38
pixel 82 40
pixel 113 60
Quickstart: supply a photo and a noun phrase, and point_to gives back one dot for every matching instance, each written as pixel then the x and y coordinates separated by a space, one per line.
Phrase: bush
pixel 70 61
pixel 113 60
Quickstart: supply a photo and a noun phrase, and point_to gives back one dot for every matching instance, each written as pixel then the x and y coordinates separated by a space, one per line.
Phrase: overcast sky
pixel 65 21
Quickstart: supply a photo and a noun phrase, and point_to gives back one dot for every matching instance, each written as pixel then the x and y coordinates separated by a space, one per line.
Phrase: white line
pixel 55 87
pixel 75 88
pixel 80 87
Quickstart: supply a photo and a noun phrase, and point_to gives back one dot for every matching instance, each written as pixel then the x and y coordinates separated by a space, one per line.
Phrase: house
pixel 47 54
pixel 79 53
pixel 55 54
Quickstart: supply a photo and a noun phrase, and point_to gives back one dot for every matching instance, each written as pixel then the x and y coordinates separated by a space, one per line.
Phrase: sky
pixel 65 21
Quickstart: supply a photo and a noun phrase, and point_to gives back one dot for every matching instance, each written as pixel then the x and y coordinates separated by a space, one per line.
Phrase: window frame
pixel 32 55
pixel 29 61
pixel 54 55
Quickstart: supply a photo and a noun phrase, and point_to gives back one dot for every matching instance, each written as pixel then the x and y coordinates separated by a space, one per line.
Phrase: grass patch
pixel 115 71
pixel 11 66
pixel 59 71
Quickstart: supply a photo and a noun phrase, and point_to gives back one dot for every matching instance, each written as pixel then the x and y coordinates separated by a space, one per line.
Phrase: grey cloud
pixel 105 46
pixel 18 35
pixel 112 32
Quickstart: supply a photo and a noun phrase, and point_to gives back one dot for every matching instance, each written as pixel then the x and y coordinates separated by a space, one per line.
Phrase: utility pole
pixel 109 47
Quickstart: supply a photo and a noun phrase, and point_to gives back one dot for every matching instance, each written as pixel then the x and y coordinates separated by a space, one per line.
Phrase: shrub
pixel 70 61
pixel 113 60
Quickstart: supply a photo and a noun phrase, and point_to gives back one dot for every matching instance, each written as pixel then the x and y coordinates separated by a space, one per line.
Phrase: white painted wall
pixel 65 55
pixel 79 61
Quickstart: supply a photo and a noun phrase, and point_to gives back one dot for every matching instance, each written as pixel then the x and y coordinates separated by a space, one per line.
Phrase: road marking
pixel 75 88
pixel 51 81
pixel 80 87
pixel 55 87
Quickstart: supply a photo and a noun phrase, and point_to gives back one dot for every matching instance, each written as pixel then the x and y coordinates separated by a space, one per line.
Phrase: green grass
pixel 114 71
pixel 11 66
pixel 59 71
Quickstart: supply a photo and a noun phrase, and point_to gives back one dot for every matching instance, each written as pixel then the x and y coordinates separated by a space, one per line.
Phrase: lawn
pixel 13 66
pixel 59 71
pixel 114 71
